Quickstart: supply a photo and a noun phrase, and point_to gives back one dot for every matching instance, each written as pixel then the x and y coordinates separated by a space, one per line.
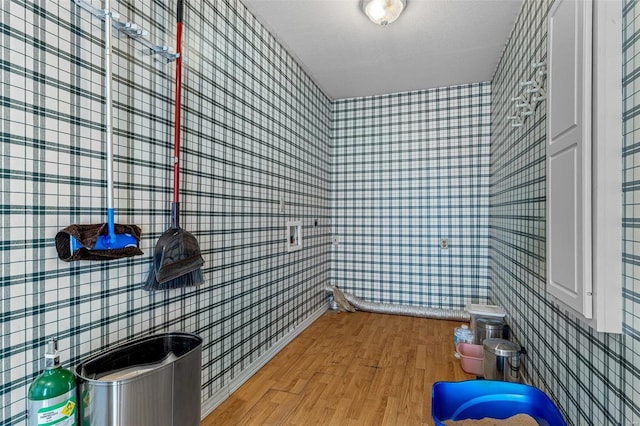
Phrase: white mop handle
pixel 108 100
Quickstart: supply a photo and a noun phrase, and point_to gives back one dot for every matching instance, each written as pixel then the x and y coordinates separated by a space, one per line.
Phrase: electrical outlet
pixel 444 243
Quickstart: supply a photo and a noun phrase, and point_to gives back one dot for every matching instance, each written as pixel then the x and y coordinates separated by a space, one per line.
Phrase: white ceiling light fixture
pixel 383 12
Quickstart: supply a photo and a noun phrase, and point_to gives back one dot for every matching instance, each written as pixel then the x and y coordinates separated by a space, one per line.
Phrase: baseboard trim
pixel 221 395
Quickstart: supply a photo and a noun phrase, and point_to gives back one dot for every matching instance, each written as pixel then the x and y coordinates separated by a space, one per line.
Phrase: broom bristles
pixel 189 279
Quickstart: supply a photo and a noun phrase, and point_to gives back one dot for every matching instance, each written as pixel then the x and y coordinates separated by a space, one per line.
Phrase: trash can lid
pixel 501 347
pixel 489 323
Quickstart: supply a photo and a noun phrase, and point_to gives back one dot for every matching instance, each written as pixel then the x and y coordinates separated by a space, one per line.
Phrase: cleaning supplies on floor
pixel 488 328
pixel 477 311
pixel 471 358
pixel 502 360
pixel 52 395
pixel 461 334
pixel 477 399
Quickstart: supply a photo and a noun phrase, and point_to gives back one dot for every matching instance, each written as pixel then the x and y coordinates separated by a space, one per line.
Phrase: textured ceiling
pixel 434 43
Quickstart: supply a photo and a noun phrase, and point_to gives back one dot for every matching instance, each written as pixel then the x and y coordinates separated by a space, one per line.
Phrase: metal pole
pixel 109 114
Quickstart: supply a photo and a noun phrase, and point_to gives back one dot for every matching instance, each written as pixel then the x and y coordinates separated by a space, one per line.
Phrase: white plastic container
pixel 461 334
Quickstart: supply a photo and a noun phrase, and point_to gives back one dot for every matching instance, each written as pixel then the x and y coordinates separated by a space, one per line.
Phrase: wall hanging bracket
pixel 129 29
pixel 533 92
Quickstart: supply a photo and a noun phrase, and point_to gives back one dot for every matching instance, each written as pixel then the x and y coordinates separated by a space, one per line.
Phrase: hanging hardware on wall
pixel 129 29
pixel 516 120
pixel 533 93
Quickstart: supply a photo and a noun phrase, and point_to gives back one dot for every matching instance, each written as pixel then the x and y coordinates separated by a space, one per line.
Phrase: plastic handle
pixel 108 93
pixel 180 8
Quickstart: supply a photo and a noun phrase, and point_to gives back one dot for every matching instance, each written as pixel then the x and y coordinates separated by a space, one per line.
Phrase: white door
pixel 569 154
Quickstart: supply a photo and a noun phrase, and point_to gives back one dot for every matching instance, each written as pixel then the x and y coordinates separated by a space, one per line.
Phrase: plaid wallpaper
pixel 390 176
pixel 594 377
pixel 256 153
pixel 409 170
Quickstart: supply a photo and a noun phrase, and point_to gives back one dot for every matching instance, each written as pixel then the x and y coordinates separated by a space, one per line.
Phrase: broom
pixel 177 259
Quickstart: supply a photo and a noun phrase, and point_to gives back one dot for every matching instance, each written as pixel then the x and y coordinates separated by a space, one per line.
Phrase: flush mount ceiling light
pixel 383 12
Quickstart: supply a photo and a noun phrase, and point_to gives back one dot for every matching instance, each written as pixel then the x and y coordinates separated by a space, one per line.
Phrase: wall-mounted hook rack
pixel 516 120
pixel 532 94
pixel 129 29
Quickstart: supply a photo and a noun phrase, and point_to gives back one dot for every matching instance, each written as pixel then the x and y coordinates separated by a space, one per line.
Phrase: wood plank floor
pixel 349 369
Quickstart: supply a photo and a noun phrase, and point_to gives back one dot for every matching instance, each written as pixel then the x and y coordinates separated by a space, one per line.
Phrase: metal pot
pixel 501 360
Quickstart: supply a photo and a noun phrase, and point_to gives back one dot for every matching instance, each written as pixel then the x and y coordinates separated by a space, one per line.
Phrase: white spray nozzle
pixel 52 348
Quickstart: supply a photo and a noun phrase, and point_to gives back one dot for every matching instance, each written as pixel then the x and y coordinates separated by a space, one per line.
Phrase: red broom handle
pixel 176 133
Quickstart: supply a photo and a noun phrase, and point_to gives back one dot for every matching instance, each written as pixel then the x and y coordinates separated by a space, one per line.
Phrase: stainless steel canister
pixel 501 360
pixel 487 328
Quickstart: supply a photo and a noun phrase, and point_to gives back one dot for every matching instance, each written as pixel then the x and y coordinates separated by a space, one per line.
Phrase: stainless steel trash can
pixel 501 360
pixel 151 381
pixel 487 328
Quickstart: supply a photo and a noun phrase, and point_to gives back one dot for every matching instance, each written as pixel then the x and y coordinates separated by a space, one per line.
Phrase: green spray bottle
pixel 52 395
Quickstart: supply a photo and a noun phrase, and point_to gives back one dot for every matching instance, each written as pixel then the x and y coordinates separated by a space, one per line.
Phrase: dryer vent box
pixel 294 235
